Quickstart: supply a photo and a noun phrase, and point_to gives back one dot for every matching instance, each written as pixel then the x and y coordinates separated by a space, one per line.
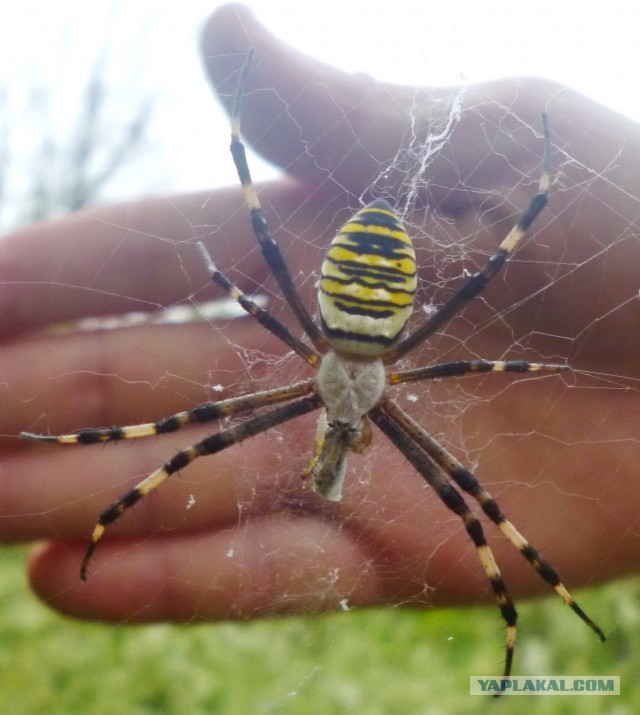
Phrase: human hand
pixel 255 540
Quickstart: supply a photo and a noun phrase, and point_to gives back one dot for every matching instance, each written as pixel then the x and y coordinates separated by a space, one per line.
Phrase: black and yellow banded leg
pixel 451 498
pixel 468 483
pixel 459 368
pixel 207 412
pixel 210 445
pixel 477 283
pixel 268 321
pixel 268 246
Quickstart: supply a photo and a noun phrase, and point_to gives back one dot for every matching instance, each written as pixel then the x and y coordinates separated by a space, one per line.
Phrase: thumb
pixel 314 121
pixel 346 131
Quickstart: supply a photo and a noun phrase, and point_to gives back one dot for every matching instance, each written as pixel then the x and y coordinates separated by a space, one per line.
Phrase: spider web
pixel 554 451
pixel 475 417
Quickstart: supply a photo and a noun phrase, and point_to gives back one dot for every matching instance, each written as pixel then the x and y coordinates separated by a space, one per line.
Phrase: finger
pixel 291 564
pixel 119 378
pixel 298 112
pixel 344 130
pixel 267 567
pixel 398 516
pixel 135 256
pixel 57 384
pixel 60 490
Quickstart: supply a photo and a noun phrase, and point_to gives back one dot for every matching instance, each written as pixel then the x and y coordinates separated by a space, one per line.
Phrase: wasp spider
pixel 367 286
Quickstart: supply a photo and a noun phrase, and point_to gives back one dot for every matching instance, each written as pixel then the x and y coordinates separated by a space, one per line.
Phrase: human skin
pixel 560 453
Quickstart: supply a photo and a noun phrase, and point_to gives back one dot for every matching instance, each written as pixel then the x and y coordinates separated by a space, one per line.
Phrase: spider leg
pixel 207 412
pixel 268 321
pixel 387 421
pixel 269 247
pixel 469 483
pixel 210 445
pixel 464 367
pixel 476 284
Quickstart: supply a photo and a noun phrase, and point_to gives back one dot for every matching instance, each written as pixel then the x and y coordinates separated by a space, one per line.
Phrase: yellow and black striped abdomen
pixel 368 282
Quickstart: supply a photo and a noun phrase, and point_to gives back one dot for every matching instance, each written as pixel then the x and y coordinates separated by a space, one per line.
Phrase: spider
pixel 367 285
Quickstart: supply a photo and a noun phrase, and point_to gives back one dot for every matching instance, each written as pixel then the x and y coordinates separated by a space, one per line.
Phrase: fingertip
pixel 124 582
pixel 300 113
pixel 54 575
pixel 228 36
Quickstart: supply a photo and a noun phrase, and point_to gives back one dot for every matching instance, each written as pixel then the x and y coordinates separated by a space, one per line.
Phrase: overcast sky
pixel 591 46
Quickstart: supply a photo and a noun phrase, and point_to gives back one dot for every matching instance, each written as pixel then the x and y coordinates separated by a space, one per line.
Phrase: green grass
pixel 383 661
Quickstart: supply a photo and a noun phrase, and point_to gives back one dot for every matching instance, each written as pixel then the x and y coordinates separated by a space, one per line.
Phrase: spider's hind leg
pixel 386 418
pixel 470 484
